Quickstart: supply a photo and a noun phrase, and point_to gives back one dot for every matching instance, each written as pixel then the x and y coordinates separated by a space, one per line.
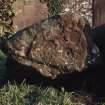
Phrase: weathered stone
pixel 54 46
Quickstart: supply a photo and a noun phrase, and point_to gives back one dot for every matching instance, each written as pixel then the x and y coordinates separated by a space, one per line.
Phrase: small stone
pixel 60 51
pixel 41 70
pixel 66 63
pixel 38 49
pixel 67 9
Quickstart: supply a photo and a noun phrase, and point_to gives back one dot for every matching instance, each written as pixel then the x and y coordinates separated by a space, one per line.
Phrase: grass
pixel 25 94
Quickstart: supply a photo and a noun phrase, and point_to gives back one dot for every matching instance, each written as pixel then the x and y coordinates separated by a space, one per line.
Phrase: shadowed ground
pixel 92 80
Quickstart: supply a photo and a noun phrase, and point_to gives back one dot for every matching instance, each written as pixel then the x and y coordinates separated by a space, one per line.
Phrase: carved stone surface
pixel 55 46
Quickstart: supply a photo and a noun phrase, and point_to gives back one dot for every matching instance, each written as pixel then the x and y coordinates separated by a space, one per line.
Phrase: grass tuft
pixel 23 94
